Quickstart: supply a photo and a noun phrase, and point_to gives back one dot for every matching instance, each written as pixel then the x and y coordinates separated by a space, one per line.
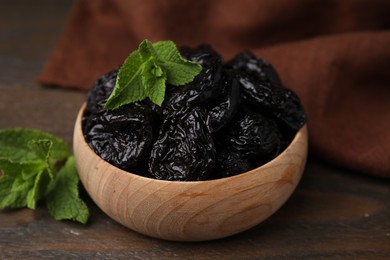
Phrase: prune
pixel 261 87
pixel 252 136
pixel 232 118
pixel 258 69
pixel 205 85
pixel 246 143
pixel 123 136
pixel 100 91
pixel 223 110
pixel 203 54
pixel 184 150
pixel 281 103
pixel 230 163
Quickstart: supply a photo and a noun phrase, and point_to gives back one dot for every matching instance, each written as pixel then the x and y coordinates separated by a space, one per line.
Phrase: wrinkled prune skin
pixel 258 69
pixel 246 143
pixel 184 150
pixel 205 85
pixel 261 87
pixel 123 136
pixel 202 54
pixel 252 136
pixel 230 163
pixel 281 103
pixel 224 108
pixel 100 91
pixel 232 118
pixel 213 89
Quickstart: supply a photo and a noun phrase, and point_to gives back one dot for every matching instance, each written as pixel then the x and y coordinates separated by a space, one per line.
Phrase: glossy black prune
pixel 281 103
pixel 205 85
pixel 230 163
pixel 100 91
pixel 184 150
pixel 246 143
pixel 203 54
pixel 252 136
pixel 258 69
pixel 122 137
pixel 261 87
pixel 221 111
pixel 232 118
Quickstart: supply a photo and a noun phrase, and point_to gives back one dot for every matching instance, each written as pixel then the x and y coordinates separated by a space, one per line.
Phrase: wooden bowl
pixel 190 211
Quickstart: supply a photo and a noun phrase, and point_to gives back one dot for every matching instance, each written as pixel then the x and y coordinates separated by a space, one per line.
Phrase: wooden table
pixel 333 213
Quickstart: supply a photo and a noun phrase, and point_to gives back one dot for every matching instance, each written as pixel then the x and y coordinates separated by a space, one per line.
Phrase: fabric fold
pixel 334 54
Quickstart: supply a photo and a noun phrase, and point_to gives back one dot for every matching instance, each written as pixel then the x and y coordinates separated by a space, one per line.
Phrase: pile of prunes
pixel 235 116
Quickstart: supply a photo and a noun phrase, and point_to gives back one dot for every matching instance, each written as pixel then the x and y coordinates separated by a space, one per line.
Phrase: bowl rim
pixel 301 135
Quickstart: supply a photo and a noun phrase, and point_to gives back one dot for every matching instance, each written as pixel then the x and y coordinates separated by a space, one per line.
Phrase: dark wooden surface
pixel 334 213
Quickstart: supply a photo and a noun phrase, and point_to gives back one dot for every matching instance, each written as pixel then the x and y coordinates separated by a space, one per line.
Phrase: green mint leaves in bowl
pixel 146 71
pixel 213 158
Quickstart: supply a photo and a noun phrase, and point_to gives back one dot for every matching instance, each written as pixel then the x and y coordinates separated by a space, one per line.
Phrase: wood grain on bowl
pixel 190 211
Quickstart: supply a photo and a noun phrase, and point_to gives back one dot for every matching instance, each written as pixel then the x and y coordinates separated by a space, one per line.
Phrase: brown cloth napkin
pixel 334 54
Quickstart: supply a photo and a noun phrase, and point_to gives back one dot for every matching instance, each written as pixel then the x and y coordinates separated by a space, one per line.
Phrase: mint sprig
pixel 62 198
pixel 147 70
pixel 35 165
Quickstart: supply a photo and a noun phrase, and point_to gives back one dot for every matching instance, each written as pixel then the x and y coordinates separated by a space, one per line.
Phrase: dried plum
pixel 100 91
pixel 222 110
pixel 205 85
pixel 248 142
pixel 232 118
pixel 184 150
pixel 203 54
pixel 281 103
pixel 258 69
pixel 122 136
pixel 230 163
pixel 252 136
pixel 261 87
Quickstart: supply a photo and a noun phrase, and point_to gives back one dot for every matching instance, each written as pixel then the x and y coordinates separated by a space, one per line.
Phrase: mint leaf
pixel 146 71
pixel 179 70
pixel 24 187
pixel 157 71
pixel 147 51
pixel 27 160
pixel 15 183
pixel 11 198
pixel 63 199
pixel 128 87
pixel 153 80
pixel 40 147
pixel 30 163
pixel 14 145
pixel 38 188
